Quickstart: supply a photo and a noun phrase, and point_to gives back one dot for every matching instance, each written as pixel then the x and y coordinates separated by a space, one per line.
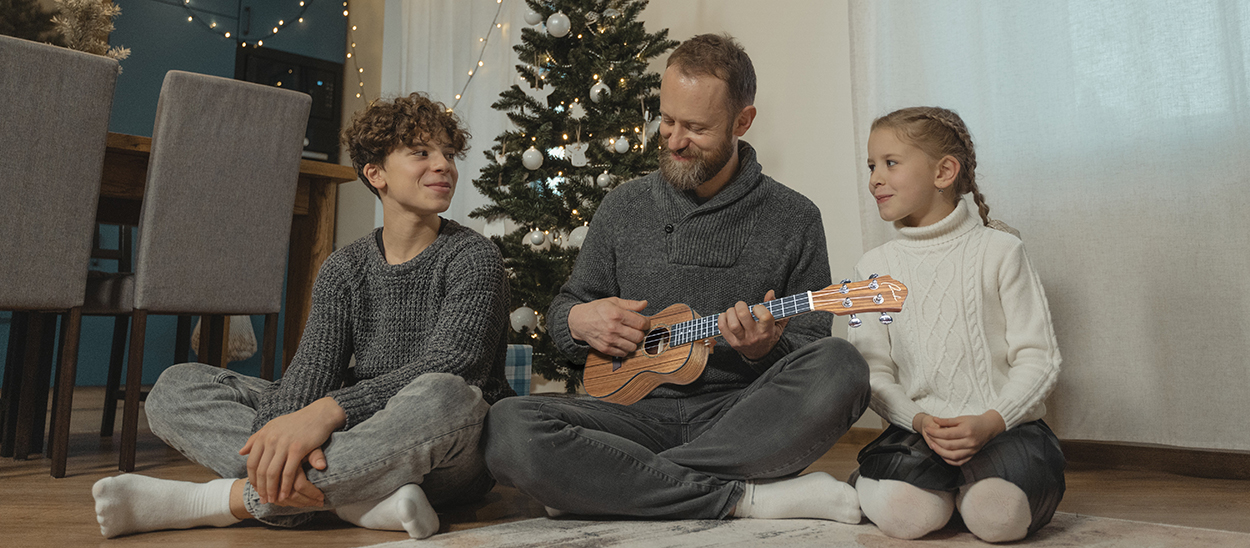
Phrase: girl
pixel 961 376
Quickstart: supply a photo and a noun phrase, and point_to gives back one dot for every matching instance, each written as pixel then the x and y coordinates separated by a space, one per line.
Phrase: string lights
pixel 356 68
pixel 494 24
pixel 212 26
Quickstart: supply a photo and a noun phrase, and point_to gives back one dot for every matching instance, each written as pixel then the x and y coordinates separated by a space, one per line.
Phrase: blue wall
pixel 161 39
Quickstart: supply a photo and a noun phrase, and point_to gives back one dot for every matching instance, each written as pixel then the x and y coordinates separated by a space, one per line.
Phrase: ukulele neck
pixel 708 327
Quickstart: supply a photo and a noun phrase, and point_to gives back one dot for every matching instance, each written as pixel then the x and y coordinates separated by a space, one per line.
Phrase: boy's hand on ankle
pixel 957 440
pixel 277 451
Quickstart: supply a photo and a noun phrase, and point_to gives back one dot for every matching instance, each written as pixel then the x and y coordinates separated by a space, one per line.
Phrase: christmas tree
pixel 586 123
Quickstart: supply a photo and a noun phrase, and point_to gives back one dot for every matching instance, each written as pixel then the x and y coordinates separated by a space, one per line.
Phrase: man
pixel 707 229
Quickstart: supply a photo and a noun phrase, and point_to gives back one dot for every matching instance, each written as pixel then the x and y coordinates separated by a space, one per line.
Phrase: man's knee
pixel 506 439
pixel 841 368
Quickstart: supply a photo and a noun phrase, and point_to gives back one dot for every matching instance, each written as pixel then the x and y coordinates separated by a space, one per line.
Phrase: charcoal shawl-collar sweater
pixel 650 241
pixel 443 311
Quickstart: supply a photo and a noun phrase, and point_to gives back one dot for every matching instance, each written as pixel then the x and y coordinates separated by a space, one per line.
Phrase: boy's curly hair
pixel 384 126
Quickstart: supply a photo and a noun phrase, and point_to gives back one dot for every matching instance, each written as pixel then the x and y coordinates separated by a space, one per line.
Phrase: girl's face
pixel 905 181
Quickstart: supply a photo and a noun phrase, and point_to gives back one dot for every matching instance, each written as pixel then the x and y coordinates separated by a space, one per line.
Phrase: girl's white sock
pixel 995 510
pixel 902 510
pixel 131 503
pixel 815 496
pixel 406 509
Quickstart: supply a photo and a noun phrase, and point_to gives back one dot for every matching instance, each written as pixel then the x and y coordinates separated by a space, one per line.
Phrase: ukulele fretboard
pixel 708 326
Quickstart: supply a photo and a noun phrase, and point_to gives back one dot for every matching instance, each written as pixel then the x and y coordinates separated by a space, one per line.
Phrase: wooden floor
pixel 37 510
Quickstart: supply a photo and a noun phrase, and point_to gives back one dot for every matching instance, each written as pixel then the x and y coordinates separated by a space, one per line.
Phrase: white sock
pixel 817 496
pixel 552 512
pixel 995 510
pixel 131 503
pixel 902 510
pixel 406 509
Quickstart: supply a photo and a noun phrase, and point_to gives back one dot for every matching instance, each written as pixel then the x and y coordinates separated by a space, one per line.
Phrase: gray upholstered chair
pixel 216 216
pixel 54 104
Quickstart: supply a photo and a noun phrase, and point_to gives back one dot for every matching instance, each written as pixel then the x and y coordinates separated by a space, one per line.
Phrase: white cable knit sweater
pixel 975 333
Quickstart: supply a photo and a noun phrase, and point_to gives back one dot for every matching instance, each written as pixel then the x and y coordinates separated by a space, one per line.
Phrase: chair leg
pixel 12 389
pixel 182 340
pixel 212 334
pixel 134 381
pixel 270 346
pixel 117 357
pixel 29 399
pixel 66 374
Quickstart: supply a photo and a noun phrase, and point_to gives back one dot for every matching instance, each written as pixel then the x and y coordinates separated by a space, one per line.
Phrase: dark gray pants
pixel 680 458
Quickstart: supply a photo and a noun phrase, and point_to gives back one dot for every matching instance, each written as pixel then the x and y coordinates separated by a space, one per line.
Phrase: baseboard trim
pixel 1198 463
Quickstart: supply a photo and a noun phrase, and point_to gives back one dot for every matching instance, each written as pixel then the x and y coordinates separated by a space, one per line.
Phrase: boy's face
pixel 420 178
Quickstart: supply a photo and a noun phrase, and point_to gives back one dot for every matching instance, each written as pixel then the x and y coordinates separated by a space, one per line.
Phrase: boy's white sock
pixel 406 509
pixel 131 503
pixel 817 495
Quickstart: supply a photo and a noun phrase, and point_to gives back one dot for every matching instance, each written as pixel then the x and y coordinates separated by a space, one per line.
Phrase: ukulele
pixel 676 347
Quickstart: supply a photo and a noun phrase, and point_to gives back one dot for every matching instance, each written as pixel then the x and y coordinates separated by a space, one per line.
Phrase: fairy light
pixel 494 24
pixel 212 26
pixel 351 56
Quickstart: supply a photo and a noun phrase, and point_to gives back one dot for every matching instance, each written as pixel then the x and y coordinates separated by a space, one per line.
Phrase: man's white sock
pixel 406 509
pixel 131 503
pixel 815 496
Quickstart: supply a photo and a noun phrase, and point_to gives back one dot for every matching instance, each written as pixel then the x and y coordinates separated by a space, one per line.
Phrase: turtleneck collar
pixel 741 184
pixel 951 227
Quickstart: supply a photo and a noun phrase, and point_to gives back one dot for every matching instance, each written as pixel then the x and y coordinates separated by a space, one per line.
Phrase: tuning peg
pixel 872 276
pixel 873 285
pixel 886 319
pixel 846 281
pixel 854 321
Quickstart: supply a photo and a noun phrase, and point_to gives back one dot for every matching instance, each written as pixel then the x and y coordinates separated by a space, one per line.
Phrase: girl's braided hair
pixel 940 132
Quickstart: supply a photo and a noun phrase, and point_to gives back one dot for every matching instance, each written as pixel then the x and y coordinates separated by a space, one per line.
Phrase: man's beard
pixel 698 167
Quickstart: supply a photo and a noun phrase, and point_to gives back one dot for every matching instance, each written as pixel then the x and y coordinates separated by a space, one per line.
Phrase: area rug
pixel 1065 530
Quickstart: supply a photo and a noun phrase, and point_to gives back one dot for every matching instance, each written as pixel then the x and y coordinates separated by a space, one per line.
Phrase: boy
pixel 422 305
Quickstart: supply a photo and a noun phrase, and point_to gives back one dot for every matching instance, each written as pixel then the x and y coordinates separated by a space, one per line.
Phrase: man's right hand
pixel 612 326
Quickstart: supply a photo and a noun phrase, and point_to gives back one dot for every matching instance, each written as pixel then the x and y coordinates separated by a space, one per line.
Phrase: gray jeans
pixel 682 458
pixel 428 434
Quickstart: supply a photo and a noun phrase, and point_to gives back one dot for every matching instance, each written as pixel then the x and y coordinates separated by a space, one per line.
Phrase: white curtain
pixel 1116 137
pixel 431 45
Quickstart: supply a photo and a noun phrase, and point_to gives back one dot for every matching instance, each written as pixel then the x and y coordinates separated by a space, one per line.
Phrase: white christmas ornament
pixel 622 145
pixel 576 237
pixel 603 180
pixel 532 17
pixel 537 240
pixel 558 25
pixel 599 92
pixel 500 159
pixel 653 126
pixel 577 111
pixel 577 153
pixel 524 318
pixel 532 158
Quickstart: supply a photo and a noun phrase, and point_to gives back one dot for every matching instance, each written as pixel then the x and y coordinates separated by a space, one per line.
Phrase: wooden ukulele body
pixel 627 380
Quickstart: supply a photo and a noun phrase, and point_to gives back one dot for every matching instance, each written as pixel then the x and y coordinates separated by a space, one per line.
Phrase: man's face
pixel 696 126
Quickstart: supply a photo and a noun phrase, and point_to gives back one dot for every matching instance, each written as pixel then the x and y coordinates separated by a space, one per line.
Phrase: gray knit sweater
pixel 443 311
pixel 650 241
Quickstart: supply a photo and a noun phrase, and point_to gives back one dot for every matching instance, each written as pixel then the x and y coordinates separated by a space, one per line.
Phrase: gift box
pixel 518 367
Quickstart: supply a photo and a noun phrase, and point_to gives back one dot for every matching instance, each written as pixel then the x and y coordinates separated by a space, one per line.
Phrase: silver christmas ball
pixel 524 318
pixel 532 158
pixel 603 180
pixel 576 237
pixel 599 92
pixel 622 144
pixel 532 17
pixel 558 25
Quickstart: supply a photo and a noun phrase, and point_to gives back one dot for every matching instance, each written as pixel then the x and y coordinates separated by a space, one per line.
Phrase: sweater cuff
pixel 558 328
pixel 780 350
pixel 357 405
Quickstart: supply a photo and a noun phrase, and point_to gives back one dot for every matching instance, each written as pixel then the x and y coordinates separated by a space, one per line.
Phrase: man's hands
pixel 612 326
pixel 957 440
pixel 753 337
pixel 276 453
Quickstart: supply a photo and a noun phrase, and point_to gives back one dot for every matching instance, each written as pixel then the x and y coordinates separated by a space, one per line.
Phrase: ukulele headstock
pixel 876 294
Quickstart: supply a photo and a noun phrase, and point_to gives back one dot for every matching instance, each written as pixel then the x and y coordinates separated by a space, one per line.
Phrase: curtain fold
pixel 1116 137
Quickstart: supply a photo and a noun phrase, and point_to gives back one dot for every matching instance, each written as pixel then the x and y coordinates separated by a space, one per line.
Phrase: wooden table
pixel 312 227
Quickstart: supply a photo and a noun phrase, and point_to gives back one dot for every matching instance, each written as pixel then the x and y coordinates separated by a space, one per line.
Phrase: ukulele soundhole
pixel 657 341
